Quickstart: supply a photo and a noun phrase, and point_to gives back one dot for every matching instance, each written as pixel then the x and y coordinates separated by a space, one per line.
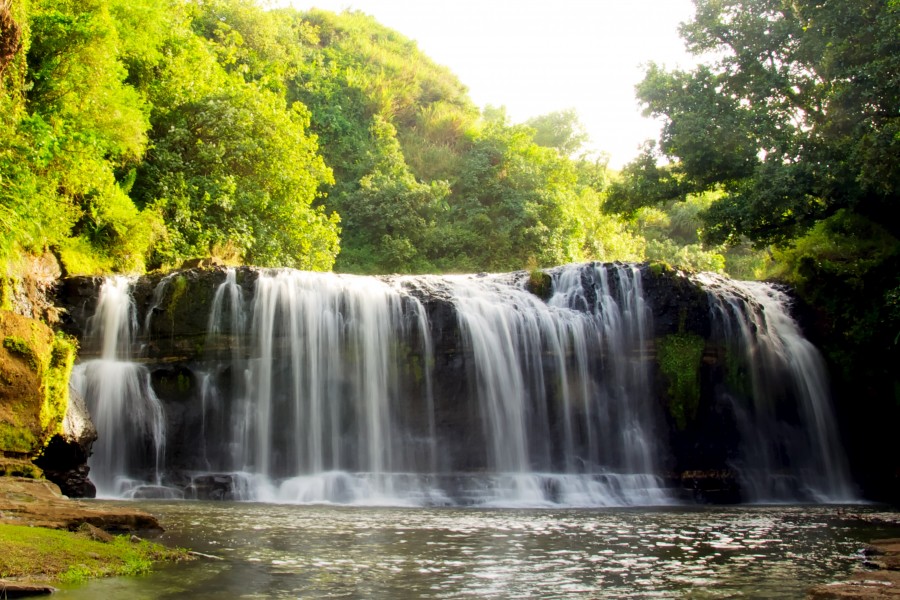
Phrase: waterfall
pixel 621 415
pixel 443 390
pixel 225 376
pixel 790 447
pixel 319 415
pixel 563 386
pixel 120 399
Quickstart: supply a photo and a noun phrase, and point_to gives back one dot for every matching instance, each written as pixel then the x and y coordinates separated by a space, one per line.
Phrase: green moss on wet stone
pixel 680 356
pixel 540 284
pixel 20 347
pixel 17 440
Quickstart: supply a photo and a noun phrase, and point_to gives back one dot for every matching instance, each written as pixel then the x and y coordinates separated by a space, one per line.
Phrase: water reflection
pixel 277 551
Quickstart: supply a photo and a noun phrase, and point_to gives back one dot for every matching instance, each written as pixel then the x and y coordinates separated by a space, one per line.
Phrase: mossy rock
pixel 15 467
pixel 658 268
pixel 35 364
pixel 680 356
pixel 540 284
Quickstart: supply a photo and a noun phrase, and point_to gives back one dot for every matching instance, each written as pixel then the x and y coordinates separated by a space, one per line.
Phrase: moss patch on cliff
pixel 16 438
pixel 680 356
pixel 179 286
pixel 35 364
pixel 540 284
pixel 55 383
pixel 17 467
pixel 737 379
pixel 659 268
pixel 18 346
pixel 6 293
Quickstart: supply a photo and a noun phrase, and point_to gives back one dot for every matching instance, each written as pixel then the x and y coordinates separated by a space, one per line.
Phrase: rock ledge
pixel 882 583
pixel 39 503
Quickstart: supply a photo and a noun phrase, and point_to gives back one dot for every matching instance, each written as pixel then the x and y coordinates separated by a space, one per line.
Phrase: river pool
pixel 290 551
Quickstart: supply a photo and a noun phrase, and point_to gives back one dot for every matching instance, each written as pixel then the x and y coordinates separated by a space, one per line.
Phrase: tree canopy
pixel 137 134
pixel 795 118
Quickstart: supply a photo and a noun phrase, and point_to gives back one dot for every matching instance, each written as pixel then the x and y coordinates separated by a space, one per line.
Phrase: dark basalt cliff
pixel 171 325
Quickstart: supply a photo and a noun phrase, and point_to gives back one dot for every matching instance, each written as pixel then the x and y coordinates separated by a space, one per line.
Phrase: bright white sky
pixel 539 56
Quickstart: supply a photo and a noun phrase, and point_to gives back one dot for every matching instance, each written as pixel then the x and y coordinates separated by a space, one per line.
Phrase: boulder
pixel 879 580
pixel 41 420
pixel 64 459
pixel 40 503
pixel 18 589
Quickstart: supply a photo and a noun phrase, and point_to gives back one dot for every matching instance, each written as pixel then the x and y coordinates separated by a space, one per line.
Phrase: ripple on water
pixel 277 551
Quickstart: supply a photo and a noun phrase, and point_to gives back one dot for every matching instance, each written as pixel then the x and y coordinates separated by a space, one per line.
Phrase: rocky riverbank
pixel 879 581
pixel 48 538
pixel 39 503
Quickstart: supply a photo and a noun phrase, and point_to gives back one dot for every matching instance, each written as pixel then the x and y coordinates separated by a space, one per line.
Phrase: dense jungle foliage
pixel 137 134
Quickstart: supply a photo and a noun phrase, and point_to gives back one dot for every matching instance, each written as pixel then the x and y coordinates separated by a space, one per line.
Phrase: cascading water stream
pixel 563 386
pixel 316 387
pixel 120 399
pixel 622 412
pixel 784 456
pixel 318 419
pixel 227 374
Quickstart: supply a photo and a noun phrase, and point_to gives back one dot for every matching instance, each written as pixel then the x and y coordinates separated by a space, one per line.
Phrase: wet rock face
pixel 171 311
pixel 170 331
pixel 678 304
pixel 215 487
pixel 64 459
pixel 171 325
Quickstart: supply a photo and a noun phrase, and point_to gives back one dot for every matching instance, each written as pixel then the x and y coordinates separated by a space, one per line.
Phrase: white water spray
pixel 120 399
pixel 779 461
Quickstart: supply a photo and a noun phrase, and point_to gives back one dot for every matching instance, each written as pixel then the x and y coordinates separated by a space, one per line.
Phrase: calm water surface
pixel 287 551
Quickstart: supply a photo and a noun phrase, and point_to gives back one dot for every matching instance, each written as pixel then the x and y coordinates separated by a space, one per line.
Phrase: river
pixel 291 551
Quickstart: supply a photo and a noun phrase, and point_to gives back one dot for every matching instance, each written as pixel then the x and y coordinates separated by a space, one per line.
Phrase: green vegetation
pixel 18 346
pixel 138 134
pixel 55 383
pixel 179 286
pixel 679 356
pixel 17 467
pixel 17 439
pixel 793 126
pixel 540 284
pixel 35 365
pixel 71 557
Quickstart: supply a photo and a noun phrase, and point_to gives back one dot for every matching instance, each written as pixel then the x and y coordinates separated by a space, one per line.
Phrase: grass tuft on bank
pixel 36 553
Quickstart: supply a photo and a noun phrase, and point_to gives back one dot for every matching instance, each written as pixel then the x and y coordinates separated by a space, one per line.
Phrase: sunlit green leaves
pixel 238 167
pixel 796 116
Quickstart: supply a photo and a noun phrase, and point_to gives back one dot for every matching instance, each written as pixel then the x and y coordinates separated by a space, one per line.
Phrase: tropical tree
pixel 795 118
pixel 236 168
pixel 513 203
pixel 561 130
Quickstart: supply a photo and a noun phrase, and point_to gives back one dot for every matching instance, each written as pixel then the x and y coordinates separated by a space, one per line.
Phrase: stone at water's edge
pixel 39 420
pixel 879 581
pixel 64 459
pixel 15 589
pixel 39 503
